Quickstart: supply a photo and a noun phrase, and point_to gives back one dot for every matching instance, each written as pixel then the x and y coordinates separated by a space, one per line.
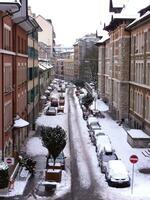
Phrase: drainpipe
pixel 3 138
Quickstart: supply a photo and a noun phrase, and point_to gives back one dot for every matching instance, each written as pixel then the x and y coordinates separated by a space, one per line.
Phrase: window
pixel 148 40
pixel 7 77
pixel 147 107
pixel 8 115
pixel 7 37
pixel 148 73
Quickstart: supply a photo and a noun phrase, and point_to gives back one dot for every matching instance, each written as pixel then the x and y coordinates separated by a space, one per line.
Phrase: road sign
pixel 133 159
pixel 9 160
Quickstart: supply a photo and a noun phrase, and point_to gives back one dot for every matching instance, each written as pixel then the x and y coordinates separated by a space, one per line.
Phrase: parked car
pixel 93 124
pixel 61 102
pixel 54 102
pixel 103 143
pixel 94 134
pixel 60 159
pixel 51 111
pixel 116 174
pixel 104 157
pixel 60 109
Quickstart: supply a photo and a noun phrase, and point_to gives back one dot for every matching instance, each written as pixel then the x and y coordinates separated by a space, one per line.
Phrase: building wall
pixel 119 72
pixel 139 115
pixel 46 36
pixel 101 71
pixel 33 79
pixel 69 68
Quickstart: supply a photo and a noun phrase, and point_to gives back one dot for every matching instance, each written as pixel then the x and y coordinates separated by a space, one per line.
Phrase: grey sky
pixel 75 18
pixel 71 18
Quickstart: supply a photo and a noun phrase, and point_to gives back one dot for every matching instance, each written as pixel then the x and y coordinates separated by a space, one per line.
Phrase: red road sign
pixel 133 159
pixel 9 160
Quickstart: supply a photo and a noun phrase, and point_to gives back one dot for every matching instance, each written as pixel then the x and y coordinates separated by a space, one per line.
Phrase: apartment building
pixel 46 51
pixel 124 61
pixel 15 26
pixel 139 110
pixel 69 68
pixel 33 72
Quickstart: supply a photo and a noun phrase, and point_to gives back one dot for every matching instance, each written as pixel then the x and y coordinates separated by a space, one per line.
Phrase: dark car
pixel 104 157
pixel 60 160
pixel 54 102
pixel 51 111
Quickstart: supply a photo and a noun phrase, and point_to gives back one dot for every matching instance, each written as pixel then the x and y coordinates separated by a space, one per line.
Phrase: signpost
pixel 133 160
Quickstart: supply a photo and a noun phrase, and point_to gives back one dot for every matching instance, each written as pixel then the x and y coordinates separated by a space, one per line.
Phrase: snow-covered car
pixel 59 160
pixel 51 111
pixel 60 109
pixel 93 124
pixel 104 157
pixel 103 143
pixel 116 174
pixel 94 134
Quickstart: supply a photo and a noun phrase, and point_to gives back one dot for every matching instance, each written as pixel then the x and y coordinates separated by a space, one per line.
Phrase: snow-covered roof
pixel 42 67
pixel 140 18
pixel 118 3
pixel 20 123
pixel 133 6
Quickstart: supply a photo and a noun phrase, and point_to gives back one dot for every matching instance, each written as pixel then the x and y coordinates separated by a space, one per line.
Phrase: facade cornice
pixel 140 85
pixel 3 51
pixel 22 55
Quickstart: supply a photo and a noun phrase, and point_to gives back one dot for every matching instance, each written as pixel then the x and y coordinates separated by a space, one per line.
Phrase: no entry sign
pixel 133 159
pixel 9 160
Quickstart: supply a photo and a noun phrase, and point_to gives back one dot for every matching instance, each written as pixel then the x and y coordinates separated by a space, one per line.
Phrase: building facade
pixel 139 110
pixel 123 75
pixel 86 58
pixel 15 26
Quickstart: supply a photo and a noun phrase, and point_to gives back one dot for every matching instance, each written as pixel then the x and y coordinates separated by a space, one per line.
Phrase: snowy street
pixel 87 182
pixel 82 179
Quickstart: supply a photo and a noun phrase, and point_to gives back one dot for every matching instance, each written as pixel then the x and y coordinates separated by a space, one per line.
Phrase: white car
pixel 116 174
pixel 103 143
pixel 93 124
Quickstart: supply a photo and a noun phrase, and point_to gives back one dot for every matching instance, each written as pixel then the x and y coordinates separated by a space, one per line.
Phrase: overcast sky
pixel 73 19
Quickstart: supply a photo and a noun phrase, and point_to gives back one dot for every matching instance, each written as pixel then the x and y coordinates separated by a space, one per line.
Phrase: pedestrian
pixel 122 121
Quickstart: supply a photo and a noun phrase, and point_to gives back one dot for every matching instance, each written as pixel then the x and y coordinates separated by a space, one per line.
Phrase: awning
pixel 42 67
pixel 20 123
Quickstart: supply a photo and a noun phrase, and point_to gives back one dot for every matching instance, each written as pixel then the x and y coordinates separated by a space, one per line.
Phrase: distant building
pixel 33 73
pixel 86 58
pixel 46 51
pixel 64 62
